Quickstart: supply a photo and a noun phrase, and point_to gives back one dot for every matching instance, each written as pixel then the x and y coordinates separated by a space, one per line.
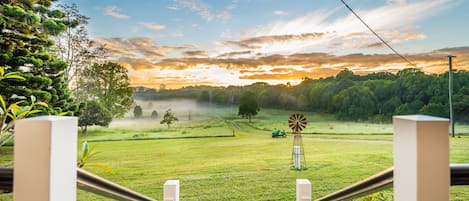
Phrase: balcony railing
pixel 45 165
pixel 85 181
pixel 385 180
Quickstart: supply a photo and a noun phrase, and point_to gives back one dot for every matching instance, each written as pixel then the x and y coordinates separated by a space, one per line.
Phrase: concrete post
pixel 303 190
pixel 171 190
pixel 421 158
pixel 45 159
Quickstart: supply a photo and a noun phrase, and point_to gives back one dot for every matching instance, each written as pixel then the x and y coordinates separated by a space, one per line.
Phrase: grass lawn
pixel 249 166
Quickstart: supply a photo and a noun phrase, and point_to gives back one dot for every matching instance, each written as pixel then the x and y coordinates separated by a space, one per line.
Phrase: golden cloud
pixel 236 53
pixel 195 53
pixel 258 42
pixel 137 53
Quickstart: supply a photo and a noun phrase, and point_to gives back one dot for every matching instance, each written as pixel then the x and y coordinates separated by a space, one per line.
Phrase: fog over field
pixel 183 109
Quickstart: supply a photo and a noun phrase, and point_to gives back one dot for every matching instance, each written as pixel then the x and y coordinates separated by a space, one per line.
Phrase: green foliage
pixel 109 83
pixel 168 118
pixel 10 112
pixel 154 114
pixel 138 111
pixel 93 113
pixel 26 28
pixel 85 154
pixel 379 196
pixel 204 97
pixel 248 105
pixel 355 103
pixel 410 91
pixel 435 109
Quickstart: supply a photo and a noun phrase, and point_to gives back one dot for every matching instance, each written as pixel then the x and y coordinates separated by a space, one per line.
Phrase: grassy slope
pixel 245 167
pixel 242 168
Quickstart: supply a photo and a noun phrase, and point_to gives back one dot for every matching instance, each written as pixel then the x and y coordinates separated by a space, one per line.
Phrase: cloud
pixel 232 54
pixel 319 60
pixel 280 13
pixel 225 70
pixel 151 25
pixel 203 10
pixel 195 53
pixel 260 41
pixel 113 11
pixel 392 20
pixel 137 53
pixel 224 15
pixel 358 40
pixel 194 5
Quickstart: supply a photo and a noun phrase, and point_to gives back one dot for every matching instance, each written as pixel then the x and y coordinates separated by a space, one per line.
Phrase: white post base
pixel 421 158
pixel 171 190
pixel 45 159
pixel 303 190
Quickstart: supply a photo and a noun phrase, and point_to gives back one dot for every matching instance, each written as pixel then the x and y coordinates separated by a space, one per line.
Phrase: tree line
pixel 374 97
pixel 56 63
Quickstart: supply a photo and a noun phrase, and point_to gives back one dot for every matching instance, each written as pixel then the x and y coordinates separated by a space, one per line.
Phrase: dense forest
pixel 374 97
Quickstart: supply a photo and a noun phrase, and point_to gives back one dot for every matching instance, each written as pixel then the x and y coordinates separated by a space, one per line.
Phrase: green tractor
pixel 278 133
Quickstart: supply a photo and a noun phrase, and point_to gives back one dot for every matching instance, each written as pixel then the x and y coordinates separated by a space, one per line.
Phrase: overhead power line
pixel 383 41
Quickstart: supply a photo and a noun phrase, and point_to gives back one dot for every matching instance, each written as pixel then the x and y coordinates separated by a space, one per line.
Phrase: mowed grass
pixel 249 166
pixel 144 129
pixel 246 167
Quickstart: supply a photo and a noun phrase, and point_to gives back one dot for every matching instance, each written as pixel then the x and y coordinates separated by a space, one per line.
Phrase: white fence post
pixel 303 190
pixel 171 190
pixel 421 158
pixel 45 166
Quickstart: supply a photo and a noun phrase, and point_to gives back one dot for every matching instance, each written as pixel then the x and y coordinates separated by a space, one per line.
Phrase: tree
pixel 204 97
pixel 94 113
pixel 355 103
pixel 248 105
pixel 109 83
pixel 168 118
pixel 154 114
pixel 73 44
pixel 138 111
pixel 14 111
pixel 76 48
pixel 435 109
pixel 25 30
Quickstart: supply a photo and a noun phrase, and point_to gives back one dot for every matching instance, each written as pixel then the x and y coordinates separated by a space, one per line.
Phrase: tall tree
pixel 109 83
pixel 76 48
pixel 248 105
pixel 25 30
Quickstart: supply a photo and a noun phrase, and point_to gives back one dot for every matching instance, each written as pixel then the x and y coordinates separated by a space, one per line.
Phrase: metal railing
pixel 6 180
pixel 385 179
pixel 85 181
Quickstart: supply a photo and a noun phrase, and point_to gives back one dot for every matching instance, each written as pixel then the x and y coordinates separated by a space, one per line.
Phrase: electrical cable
pixel 379 37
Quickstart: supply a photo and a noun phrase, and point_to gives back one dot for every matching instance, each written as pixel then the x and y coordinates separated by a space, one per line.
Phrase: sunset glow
pixel 236 42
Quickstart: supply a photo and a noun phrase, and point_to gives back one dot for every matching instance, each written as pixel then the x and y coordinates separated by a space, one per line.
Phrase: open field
pixel 249 166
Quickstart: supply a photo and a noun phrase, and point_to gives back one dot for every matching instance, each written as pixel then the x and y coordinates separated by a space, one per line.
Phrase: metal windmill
pixel 297 123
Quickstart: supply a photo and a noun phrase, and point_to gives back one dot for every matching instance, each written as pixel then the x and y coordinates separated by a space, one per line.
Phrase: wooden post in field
pixel 171 190
pixel 421 158
pixel 45 159
pixel 303 190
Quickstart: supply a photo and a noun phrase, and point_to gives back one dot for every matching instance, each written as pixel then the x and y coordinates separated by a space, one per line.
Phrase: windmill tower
pixel 297 123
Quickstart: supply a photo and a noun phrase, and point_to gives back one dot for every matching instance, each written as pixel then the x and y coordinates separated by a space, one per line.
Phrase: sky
pixel 178 43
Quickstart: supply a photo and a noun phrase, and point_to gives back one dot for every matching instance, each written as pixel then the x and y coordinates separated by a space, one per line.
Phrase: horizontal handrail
pixel 385 179
pixel 375 183
pixel 6 180
pixel 85 181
